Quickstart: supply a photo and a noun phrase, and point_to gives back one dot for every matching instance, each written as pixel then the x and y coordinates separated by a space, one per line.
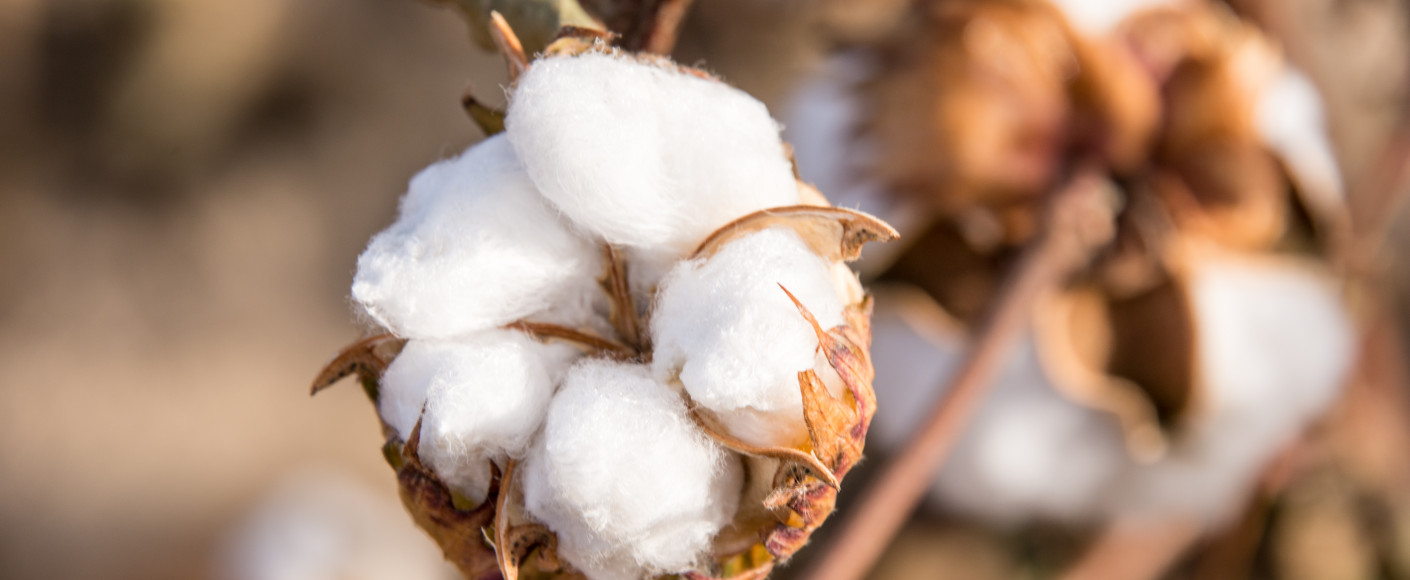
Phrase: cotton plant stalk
pixel 619 338
pixel 1156 382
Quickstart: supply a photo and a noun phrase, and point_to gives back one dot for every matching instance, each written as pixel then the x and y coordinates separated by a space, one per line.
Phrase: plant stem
pixel 1077 221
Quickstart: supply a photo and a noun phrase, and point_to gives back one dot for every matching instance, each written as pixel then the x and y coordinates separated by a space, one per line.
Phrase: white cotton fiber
pixel 474 247
pixel 1275 347
pixel 1290 119
pixel 629 483
pixel 734 338
pixel 1100 17
pixel 486 397
pixel 643 154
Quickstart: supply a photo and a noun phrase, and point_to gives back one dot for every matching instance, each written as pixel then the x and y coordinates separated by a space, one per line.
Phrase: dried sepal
pixel 515 541
pixel 488 119
pixel 459 532
pixel 367 358
pixel 833 233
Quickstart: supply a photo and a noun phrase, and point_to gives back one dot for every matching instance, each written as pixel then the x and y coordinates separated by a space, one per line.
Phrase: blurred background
pixel 185 186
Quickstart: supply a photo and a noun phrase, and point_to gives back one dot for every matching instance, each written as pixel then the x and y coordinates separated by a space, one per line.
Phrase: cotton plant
pixel 617 339
pixel 1158 381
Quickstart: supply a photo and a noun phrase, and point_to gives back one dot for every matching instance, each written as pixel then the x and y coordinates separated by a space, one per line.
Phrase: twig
pixel 1135 551
pixel 665 26
pixel 1078 221
pixel 624 314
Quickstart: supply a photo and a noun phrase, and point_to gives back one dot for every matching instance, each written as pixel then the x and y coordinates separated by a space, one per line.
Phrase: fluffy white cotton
pixel 1290 119
pixel 1276 345
pixel 625 478
pixel 643 154
pixel 736 341
pixel 1099 17
pixel 485 397
pixel 474 247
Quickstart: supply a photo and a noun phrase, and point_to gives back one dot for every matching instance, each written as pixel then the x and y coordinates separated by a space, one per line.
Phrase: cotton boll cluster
pixel 624 475
pixel 646 155
pixel 520 281
pixel 474 247
pixel 727 330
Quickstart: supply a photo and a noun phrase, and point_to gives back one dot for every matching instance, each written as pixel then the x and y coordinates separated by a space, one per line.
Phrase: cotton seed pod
pixel 650 252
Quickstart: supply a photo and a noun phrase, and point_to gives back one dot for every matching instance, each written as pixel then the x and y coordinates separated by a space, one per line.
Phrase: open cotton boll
pixel 642 153
pixel 1027 454
pixel 474 247
pixel 624 477
pixel 736 341
pixel 485 398
pixel 1275 345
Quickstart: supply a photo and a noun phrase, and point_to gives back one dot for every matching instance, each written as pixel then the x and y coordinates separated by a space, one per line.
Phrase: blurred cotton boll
pixel 322 525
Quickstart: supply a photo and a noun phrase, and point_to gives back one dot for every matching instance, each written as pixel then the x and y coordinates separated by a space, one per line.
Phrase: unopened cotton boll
pixel 474 247
pixel 629 483
pixel 485 398
pixel 735 340
pixel 645 154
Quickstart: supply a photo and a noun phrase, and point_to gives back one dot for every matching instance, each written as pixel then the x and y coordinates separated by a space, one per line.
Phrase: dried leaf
pixel 594 344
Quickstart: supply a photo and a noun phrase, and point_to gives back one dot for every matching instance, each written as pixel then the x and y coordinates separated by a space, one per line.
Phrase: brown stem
pixel 665 26
pixel 602 345
pixel 1078 220
pixel 624 315
pixel 1135 551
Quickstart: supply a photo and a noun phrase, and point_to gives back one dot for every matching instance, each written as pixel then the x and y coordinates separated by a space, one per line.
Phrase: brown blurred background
pixel 185 186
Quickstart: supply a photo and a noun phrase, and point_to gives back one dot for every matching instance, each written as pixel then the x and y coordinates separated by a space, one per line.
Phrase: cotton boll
pixel 1027 454
pixel 323 525
pixel 643 154
pixel 474 247
pixel 734 338
pixel 624 477
pixel 1275 345
pixel 486 397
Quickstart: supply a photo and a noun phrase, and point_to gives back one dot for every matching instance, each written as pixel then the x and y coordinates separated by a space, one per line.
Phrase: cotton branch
pixel 1078 221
